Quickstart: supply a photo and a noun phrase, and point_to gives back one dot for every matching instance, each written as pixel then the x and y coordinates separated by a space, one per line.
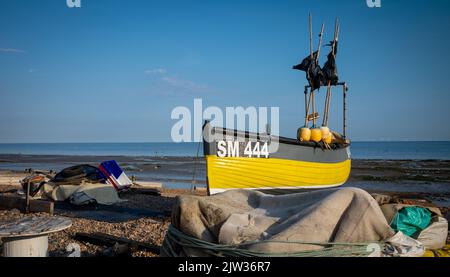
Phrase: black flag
pixel 314 73
pixel 330 69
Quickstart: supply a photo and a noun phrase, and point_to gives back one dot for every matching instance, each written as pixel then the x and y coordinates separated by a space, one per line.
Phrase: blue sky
pixel 112 71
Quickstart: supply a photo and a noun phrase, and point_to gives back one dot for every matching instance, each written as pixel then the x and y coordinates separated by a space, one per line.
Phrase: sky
pixel 113 71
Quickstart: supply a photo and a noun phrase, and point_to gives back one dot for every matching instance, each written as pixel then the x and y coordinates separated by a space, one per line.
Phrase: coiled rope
pixel 176 238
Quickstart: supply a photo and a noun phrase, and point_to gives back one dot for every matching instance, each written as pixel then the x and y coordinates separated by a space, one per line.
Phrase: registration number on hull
pixel 250 149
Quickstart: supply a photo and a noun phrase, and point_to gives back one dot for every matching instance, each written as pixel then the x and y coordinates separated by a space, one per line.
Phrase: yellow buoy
pixel 327 138
pixel 304 134
pixel 316 134
pixel 325 131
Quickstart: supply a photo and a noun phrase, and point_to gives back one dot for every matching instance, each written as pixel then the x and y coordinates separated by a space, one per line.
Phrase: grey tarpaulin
pixel 239 216
pixel 434 237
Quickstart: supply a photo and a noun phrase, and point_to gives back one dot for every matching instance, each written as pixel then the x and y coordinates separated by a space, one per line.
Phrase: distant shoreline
pixel 180 169
pixel 6 158
pixel 427 177
pixel 164 142
pixel 359 150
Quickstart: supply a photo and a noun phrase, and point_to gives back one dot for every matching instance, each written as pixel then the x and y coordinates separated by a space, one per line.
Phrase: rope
pixel 327 105
pixel 174 237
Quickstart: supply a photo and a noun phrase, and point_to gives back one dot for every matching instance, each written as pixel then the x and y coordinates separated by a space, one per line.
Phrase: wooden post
pixel 320 42
pixel 310 37
pixel 317 60
pixel 328 96
pixel 311 52
pixel 306 105
pixel 27 205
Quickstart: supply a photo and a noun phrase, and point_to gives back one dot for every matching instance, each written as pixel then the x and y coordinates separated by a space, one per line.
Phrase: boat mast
pixel 308 103
pixel 328 95
pixel 312 88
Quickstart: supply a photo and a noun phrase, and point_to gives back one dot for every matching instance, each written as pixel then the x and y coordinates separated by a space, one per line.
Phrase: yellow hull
pixel 259 173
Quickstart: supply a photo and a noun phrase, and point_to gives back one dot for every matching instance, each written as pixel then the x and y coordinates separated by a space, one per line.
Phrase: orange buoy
pixel 316 134
pixel 304 134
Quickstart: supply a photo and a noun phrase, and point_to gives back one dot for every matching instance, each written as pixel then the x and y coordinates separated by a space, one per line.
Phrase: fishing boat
pixel 317 158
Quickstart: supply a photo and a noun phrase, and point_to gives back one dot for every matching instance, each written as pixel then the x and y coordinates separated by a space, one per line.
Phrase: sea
pixel 417 150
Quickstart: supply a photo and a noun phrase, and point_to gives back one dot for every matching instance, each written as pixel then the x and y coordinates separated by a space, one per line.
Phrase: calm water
pixel 360 150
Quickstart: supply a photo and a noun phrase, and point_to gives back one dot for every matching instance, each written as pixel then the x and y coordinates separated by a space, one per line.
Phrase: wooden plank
pixel 144 184
pixel 314 116
pixel 109 240
pixel 40 206
pixel 35 206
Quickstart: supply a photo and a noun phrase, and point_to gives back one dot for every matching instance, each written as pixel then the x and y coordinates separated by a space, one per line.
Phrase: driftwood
pixel 119 250
pixel 35 206
pixel 146 191
pixel 111 241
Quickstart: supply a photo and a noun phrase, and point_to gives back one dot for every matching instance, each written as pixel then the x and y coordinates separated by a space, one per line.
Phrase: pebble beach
pixel 425 179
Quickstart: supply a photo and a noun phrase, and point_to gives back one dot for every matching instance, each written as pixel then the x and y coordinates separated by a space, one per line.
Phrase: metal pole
pixel 345 109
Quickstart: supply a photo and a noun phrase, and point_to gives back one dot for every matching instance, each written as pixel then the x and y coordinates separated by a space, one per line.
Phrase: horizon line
pixel 140 142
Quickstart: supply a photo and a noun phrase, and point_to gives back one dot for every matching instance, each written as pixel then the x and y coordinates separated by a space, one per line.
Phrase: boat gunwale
pixel 268 137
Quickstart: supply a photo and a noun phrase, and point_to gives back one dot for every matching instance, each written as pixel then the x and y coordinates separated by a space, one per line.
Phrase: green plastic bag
pixel 411 220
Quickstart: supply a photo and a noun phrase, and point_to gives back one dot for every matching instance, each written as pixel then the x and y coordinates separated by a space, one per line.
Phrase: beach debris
pixel 119 243
pixel 28 237
pixel 381 198
pixel 9 191
pixel 73 250
pixel 118 250
pixel 401 245
pixel 82 184
pixel 444 252
pixel 115 175
pixel 33 183
pixel 20 203
pixel 424 223
pixel 145 191
pixel 411 220
pixel 47 173
pixel 75 175
pixel 434 237
pixel 82 194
